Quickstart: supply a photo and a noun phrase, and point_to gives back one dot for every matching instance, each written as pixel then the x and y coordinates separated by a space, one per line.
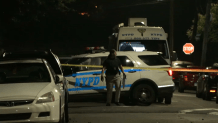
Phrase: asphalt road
pixel 185 108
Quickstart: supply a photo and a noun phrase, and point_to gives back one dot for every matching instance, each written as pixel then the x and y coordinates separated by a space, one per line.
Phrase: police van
pixel 144 86
pixel 138 36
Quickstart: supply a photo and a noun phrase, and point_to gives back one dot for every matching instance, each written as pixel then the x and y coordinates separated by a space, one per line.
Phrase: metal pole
pixel 171 28
pixel 206 34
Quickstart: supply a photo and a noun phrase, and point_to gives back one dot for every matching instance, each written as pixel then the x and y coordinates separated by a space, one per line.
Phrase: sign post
pixel 188 48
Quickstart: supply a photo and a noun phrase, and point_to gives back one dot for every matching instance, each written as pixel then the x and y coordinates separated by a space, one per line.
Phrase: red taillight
pixel 87 48
pixel 212 91
pixel 185 77
pixel 170 72
pixel 97 48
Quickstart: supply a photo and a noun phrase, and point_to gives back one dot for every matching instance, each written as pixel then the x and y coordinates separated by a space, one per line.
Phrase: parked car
pixel 179 64
pixel 46 99
pixel 207 85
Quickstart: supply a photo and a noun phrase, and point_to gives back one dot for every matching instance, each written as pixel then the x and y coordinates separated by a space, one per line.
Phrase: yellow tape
pixel 99 66
pixel 150 68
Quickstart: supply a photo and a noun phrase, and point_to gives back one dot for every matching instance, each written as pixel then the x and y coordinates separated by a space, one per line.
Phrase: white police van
pixel 138 36
pixel 145 86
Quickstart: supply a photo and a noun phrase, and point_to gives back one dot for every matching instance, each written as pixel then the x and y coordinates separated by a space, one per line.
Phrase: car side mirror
pixel 215 65
pixel 206 75
pixel 57 79
pixel 174 56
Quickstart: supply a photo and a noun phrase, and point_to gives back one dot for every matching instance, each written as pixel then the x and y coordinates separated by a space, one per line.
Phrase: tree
pixel 20 19
pixel 213 37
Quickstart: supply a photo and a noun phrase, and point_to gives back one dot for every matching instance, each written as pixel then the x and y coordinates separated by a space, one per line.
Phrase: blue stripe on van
pixel 94 88
pixel 99 72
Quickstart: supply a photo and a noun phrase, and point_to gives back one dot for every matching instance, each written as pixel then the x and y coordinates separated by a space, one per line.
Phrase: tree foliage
pixel 213 35
pixel 21 19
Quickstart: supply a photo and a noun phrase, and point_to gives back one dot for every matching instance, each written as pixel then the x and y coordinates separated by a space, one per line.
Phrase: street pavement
pixel 185 108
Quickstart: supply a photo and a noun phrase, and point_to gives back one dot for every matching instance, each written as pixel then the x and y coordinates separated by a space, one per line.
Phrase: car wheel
pixel 217 94
pixel 216 99
pixel 143 94
pixel 62 116
pixel 198 94
pixel 206 93
pixel 160 100
pixel 181 87
pixel 168 100
pixel 66 108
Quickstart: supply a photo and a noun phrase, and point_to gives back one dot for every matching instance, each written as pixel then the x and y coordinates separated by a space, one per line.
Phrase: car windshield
pixel 23 73
pixel 145 45
pixel 184 65
pixel 63 61
pixel 153 60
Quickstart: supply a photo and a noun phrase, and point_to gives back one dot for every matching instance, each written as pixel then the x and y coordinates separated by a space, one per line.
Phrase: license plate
pixel 195 84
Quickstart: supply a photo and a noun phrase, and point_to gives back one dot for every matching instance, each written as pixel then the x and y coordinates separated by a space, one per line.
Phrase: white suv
pixel 145 86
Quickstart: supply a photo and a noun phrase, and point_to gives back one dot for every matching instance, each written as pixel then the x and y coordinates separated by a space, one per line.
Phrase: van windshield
pixel 145 45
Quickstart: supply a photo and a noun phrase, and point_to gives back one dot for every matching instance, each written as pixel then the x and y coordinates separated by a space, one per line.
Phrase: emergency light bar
pixel 95 49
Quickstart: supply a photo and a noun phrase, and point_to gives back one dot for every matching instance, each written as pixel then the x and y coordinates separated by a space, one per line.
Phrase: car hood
pixel 20 91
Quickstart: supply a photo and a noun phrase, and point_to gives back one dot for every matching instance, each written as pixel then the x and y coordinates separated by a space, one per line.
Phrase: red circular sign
pixel 188 48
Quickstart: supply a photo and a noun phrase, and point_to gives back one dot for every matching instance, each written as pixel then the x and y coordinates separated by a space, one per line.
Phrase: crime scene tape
pixel 152 68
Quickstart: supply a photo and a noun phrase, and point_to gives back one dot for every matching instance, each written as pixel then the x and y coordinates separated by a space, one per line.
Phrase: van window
pixel 125 61
pixel 153 60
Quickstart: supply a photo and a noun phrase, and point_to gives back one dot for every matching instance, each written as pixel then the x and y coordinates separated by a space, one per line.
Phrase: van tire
pixel 143 94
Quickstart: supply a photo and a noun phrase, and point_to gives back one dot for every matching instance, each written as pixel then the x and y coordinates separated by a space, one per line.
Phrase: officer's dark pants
pixel 110 81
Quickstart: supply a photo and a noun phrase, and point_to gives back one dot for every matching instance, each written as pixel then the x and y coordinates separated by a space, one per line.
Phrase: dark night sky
pixel 94 31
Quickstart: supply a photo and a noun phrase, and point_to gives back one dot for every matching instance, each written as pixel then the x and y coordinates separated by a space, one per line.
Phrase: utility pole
pixel 171 37
pixel 206 34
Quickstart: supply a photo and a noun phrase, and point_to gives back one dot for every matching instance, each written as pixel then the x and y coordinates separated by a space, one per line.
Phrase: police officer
pixel 112 65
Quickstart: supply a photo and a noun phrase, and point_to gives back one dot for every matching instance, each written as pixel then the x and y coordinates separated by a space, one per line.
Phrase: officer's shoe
pixel 108 104
pixel 117 103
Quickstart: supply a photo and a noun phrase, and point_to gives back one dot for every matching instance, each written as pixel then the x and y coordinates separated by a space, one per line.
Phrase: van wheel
pixel 143 94
pixel 168 100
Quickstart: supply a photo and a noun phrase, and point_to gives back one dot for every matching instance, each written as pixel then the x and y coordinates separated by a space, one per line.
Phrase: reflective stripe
pixel 94 88
pixel 99 72
pixel 163 86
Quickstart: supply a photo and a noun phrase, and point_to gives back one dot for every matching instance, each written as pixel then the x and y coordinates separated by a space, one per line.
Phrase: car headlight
pixel 48 97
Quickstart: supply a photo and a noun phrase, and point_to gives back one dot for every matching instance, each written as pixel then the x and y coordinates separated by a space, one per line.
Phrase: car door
pixel 88 78
pixel 132 74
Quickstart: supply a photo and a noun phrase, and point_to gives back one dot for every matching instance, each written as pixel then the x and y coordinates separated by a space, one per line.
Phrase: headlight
pixel 48 97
